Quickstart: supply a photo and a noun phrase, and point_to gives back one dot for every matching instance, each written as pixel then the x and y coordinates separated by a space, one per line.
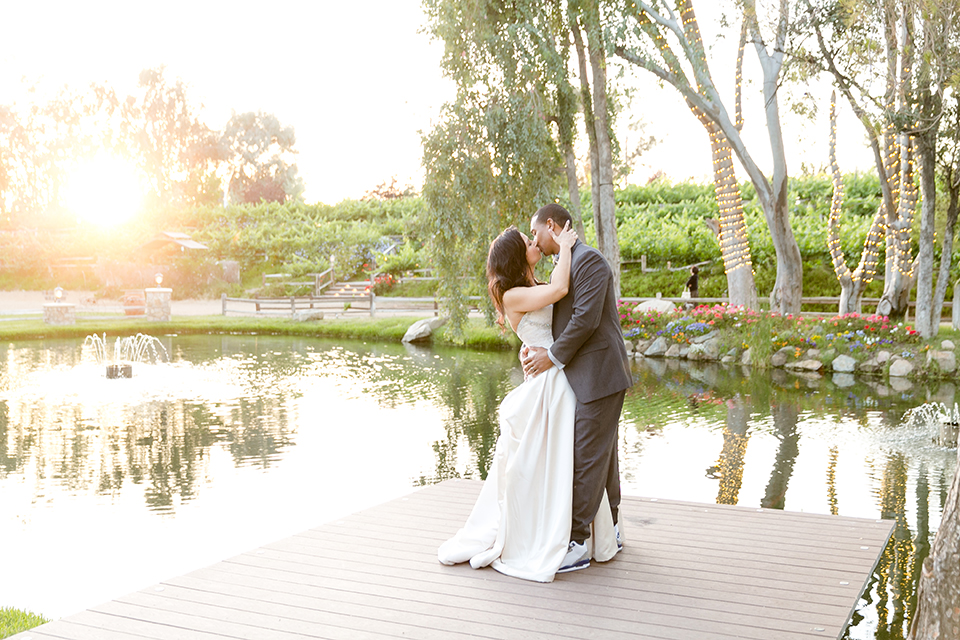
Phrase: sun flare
pixel 104 191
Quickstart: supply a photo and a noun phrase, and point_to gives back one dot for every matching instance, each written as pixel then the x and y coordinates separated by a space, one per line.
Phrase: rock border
pixel 707 347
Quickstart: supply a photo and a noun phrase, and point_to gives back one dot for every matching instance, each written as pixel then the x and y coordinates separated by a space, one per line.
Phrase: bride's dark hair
pixel 507 267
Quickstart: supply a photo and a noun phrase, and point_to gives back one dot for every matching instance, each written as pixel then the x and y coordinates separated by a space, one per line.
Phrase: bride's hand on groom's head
pixel 567 236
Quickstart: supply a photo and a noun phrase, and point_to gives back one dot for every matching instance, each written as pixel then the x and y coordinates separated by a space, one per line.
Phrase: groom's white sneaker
pixel 576 558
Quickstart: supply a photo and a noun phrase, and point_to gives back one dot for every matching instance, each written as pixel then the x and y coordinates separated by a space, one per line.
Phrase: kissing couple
pixel 551 498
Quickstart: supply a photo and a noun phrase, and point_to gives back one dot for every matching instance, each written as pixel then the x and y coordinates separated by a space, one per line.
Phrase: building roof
pixel 166 237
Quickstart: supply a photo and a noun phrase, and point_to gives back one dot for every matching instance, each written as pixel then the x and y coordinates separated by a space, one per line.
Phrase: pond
pixel 109 486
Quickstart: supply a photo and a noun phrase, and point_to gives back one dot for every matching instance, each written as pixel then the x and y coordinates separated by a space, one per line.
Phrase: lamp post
pixel 58 311
pixel 158 300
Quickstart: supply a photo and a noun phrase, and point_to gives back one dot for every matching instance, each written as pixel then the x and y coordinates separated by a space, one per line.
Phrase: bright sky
pixel 356 80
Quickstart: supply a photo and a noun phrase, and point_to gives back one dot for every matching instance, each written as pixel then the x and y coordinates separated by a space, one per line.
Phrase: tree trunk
pixel 606 224
pixel 587 105
pixel 573 186
pixel 926 324
pixel 946 252
pixel 938 599
pixel 851 284
pixel 896 290
pixel 734 243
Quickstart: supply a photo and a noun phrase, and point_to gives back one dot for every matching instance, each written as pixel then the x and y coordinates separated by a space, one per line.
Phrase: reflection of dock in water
pixel 687 571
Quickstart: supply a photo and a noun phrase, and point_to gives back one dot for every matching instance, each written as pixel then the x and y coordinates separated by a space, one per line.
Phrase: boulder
pixel 422 329
pixel 308 315
pixel 629 346
pixel 947 345
pixel 709 350
pixel 745 358
pixel 900 369
pixel 813 354
pixel 657 304
pixel 870 366
pixel 673 351
pixel 685 351
pixel 640 346
pixel 696 352
pixel 946 360
pixel 704 338
pixel 844 364
pixel 657 349
pixel 712 348
pixel 781 357
pixel 728 359
pixel 883 356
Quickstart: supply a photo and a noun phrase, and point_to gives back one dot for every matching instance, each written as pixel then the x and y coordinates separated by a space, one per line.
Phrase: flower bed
pixel 767 332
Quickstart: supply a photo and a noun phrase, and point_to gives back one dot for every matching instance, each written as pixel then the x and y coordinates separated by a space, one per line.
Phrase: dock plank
pixel 687 571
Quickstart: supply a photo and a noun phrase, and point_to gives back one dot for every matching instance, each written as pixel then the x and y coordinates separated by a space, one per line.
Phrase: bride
pixel 520 524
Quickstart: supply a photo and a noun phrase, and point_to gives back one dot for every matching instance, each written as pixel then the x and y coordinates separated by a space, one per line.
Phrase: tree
pixel 160 131
pixel 485 162
pixel 601 143
pixel 939 48
pixel 914 42
pixel 948 163
pixel 513 117
pixel 852 284
pixel 258 155
pixel 648 46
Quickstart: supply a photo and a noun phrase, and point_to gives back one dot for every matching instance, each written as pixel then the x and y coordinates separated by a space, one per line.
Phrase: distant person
pixel 693 282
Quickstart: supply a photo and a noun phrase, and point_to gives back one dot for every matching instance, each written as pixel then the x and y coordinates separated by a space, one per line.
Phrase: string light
pixel 733 238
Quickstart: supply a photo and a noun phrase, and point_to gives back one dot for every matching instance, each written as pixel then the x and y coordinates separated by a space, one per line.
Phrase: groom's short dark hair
pixel 553 212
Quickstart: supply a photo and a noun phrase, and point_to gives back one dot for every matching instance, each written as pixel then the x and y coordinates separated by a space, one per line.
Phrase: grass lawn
pixel 13 621
pixel 477 334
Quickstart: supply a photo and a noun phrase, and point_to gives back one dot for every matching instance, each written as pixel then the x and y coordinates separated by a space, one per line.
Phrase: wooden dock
pixel 687 571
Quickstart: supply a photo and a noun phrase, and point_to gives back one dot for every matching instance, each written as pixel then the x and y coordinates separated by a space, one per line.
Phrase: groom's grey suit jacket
pixel 587 337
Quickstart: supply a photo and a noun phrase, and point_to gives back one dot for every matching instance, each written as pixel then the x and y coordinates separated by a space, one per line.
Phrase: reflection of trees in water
pixel 832 481
pixel 894 581
pixel 466 386
pixel 735 439
pixel 722 398
pixel 785 430
pixel 161 444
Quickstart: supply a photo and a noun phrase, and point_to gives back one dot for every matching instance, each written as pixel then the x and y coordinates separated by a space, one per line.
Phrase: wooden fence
pixel 369 303
pixel 319 281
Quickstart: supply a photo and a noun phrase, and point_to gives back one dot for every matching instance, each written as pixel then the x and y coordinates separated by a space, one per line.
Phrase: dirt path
pixel 29 302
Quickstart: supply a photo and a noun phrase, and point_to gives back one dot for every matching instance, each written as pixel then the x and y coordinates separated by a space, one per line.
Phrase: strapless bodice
pixel 535 328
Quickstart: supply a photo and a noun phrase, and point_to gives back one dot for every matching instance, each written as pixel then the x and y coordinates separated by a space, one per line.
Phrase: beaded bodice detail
pixel 535 328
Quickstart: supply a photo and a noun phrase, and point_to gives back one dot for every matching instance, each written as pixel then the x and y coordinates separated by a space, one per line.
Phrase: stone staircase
pixel 339 289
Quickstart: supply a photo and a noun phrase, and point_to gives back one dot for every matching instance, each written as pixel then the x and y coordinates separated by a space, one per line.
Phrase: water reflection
pixel 831 429
pixel 318 423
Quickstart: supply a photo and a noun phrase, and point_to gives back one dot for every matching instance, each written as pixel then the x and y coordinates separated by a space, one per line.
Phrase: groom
pixel 588 346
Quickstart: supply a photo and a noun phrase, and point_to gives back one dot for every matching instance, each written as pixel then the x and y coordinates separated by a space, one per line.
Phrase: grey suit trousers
pixel 596 464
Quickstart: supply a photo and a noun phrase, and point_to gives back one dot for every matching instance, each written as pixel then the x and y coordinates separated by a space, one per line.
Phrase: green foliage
pixel 13 621
pixel 258 152
pixel 488 165
pixel 406 259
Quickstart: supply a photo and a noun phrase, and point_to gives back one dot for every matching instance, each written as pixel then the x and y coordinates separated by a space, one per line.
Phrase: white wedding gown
pixel 520 524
